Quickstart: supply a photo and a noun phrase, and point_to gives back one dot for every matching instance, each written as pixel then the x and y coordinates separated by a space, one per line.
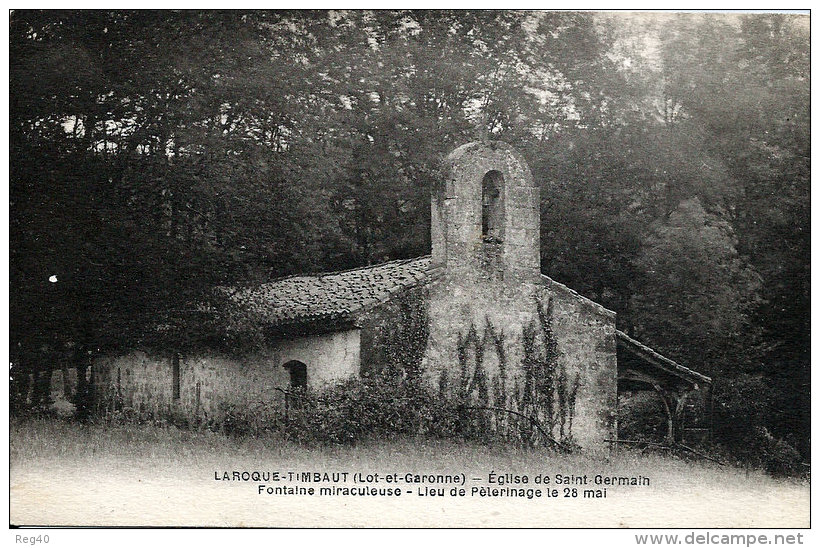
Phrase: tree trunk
pixel 66 381
pixel 82 399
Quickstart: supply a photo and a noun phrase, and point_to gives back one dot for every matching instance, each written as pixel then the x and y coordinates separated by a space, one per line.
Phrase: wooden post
pixel 66 380
pixel 679 415
pixel 119 389
pixel 175 377
pixel 711 414
pixel 667 405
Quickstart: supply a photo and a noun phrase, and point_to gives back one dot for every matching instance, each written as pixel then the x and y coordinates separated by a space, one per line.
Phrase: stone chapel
pixel 477 315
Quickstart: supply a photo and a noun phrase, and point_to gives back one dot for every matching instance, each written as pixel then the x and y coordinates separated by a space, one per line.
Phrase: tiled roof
pixel 330 296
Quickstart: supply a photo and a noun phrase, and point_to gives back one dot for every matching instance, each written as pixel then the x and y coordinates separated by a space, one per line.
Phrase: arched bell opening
pixel 492 207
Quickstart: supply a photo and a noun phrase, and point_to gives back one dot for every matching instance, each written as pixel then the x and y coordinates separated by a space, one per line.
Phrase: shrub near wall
pixel 376 406
pixel 392 398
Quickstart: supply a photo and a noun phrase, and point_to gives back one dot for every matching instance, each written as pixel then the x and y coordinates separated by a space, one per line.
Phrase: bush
pixel 741 405
pixel 780 459
pixel 358 409
pixel 379 406
pixel 243 420
pixel 382 407
pixel 642 417
pixel 743 408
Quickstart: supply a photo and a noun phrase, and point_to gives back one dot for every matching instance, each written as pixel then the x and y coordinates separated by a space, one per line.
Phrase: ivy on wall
pixel 401 331
pixel 545 391
pixel 550 391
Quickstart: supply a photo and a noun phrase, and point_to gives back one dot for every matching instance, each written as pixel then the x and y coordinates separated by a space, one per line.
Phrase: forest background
pixel 156 154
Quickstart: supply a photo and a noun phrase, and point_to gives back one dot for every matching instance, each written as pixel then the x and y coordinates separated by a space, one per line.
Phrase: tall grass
pixel 35 441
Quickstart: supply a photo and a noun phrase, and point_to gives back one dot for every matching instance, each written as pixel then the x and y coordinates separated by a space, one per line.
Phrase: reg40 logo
pixel 33 540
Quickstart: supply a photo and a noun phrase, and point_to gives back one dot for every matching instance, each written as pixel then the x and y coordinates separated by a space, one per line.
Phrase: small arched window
pixel 298 374
pixel 492 207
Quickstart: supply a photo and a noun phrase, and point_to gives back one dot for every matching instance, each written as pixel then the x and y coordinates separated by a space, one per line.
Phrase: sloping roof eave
pixel 660 361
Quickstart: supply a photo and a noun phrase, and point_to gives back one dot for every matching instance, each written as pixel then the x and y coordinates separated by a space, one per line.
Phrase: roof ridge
pixel 598 306
pixel 344 271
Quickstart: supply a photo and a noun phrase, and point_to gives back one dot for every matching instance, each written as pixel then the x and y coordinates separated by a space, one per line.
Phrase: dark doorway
pixel 298 375
pixel 295 397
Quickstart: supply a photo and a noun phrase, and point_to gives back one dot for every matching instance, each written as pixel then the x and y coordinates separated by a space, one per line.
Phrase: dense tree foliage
pixel 157 154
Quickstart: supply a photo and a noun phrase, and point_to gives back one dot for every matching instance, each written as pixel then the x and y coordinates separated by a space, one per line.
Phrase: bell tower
pixel 485 218
pixel 485 232
pixel 502 334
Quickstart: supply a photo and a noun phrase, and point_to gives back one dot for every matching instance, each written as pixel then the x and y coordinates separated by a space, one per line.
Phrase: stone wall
pixel 143 381
pixel 487 294
pixel 585 332
pixel 584 372
pixel 479 282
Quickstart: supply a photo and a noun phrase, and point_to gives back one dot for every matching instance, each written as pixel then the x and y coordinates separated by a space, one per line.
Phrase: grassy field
pixel 67 474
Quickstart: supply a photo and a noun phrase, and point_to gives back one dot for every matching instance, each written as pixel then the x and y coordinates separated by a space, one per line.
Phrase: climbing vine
pixel 399 334
pixel 546 392
pixel 550 391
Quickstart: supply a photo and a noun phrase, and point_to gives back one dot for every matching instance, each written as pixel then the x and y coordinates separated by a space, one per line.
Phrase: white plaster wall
pixel 329 358
pixel 208 379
